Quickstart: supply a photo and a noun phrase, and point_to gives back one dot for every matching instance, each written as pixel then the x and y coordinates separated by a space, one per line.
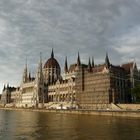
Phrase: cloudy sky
pixel 92 27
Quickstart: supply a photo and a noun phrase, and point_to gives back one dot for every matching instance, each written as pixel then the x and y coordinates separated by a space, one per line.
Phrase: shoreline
pixel 113 113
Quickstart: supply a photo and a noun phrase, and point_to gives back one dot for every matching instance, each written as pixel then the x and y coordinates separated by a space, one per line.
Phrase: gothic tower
pixel 78 62
pixel 66 66
pixel 107 62
pixel 89 66
pixel 25 73
pixel 93 62
pixel 39 88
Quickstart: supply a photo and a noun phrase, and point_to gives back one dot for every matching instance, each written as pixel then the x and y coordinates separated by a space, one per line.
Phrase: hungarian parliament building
pixel 84 86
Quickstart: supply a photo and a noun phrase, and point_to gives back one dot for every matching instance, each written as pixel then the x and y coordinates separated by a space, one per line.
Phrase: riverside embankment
pixel 113 113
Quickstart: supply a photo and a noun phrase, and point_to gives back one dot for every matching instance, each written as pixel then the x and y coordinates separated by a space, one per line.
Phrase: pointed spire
pixel 25 68
pixel 52 54
pixel 40 63
pixel 4 87
pixel 93 62
pixel 29 76
pixel 39 75
pixel 66 66
pixel 107 63
pixel 7 85
pixel 134 64
pixel 89 65
pixel 25 74
pixel 40 57
pixel 78 60
pixel 26 63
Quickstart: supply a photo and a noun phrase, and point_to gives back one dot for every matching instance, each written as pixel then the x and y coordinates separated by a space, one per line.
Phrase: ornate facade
pixel 85 86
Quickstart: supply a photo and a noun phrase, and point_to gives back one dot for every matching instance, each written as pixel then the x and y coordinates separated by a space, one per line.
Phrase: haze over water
pixel 21 125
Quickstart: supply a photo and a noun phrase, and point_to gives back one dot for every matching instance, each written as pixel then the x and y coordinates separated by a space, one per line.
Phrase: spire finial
pixel 4 87
pixel 7 85
pixel 40 57
pixel 134 63
pixel 25 73
pixel 89 65
pixel 52 54
pixel 66 65
pixel 78 60
pixel 92 61
pixel 26 62
pixel 40 62
pixel 107 60
pixel 29 75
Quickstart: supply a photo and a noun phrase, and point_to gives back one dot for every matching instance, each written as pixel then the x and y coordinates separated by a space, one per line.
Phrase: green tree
pixel 136 93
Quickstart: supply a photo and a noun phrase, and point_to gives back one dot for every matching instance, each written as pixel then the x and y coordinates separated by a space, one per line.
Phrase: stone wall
pixel 85 112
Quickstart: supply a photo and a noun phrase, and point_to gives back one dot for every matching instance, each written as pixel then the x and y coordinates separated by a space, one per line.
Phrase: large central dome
pixel 52 70
pixel 52 62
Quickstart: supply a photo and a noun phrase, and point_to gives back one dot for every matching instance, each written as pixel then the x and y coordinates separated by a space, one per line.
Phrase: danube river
pixel 22 125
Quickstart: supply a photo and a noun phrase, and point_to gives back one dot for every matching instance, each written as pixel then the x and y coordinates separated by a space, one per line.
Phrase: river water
pixel 21 125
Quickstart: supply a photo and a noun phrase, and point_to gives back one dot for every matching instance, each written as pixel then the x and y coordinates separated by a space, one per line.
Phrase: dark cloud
pixel 89 26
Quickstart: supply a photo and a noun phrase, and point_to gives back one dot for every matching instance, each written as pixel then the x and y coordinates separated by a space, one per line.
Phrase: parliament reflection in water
pixel 35 125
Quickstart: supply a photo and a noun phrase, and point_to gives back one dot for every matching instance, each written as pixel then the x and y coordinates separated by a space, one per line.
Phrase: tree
pixel 136 93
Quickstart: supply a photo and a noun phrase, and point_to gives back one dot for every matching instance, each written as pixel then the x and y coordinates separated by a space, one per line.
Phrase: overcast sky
pixel 92 27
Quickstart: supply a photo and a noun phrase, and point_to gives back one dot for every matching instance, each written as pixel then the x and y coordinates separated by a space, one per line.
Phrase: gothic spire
pixel 78 60
pixel 39 81
pixel 39 70
pixel 40 64
pixel 52 54
pixel 25 68
pixel 66 66
pixel 107 62
pixel 89 65
pixel 134 64
pixel 29 76
pixel 25 73
pixel 93 62
pixel 4 87
pixel 7 85
pixel 41 58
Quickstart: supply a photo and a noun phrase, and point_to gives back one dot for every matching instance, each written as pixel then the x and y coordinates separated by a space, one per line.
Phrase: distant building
pixel 6 94
pixel 88 86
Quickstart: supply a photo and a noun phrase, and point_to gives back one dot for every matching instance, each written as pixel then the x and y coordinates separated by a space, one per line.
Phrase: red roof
pixel 128 66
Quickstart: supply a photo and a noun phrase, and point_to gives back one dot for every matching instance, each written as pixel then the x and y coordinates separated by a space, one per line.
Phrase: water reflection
pixel 22 125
